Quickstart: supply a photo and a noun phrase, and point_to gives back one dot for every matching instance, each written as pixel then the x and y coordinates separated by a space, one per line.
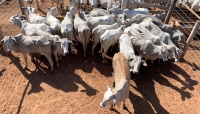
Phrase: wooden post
pixel 1 34
pixel 190 38
pixel 21 3
pixel 37 4
pixel 170 11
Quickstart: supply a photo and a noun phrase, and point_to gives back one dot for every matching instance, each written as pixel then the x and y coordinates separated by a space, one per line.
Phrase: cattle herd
pixel 137 35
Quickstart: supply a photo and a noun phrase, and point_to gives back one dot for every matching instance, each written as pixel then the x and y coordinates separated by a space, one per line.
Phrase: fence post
pixel 191 36
pixel 21 3
pixel 1 34
pixel 170 11
pixel 37 4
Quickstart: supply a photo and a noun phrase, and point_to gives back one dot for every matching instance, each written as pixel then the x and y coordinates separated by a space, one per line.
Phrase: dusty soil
pixel 78 86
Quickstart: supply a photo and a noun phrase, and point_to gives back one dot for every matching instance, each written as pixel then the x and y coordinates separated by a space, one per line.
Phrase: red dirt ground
pixel 78 87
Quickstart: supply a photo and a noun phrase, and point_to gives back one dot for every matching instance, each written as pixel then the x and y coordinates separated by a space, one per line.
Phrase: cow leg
pixel 104 49
pixel 56 58
pixel 25 59
pixel 48 56
pixel 31 55
pixel 84 49
pixel 93 47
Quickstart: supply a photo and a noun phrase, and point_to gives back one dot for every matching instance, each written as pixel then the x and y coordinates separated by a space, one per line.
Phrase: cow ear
pixel 114 99
pixel 14 39
pixel 144 63
pixel 131 59
pixel 70 42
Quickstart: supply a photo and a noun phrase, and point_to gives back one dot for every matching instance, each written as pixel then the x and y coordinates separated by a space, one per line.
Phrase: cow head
pixel 8 41
pixel 171 52
pixel 163 53
pixel 72 9
pixel 54 11
pixel 121 18
pixel 109 98
pixel 64 44
pixel 30 9
pixel 179 52
pixel 135 63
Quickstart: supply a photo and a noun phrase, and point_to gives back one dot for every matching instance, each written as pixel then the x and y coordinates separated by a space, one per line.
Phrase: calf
pixel 98 31
pixel 126 48
pixel 60 48
pixel 35 19
pixel 30 29
pixel 122 81
pixel 109 38
pixel 29 44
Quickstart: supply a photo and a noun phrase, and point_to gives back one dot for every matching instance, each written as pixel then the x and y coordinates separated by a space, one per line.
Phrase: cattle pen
pixel 78 86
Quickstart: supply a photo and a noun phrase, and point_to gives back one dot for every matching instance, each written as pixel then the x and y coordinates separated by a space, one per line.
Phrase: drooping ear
pixel 131 59
pixel 70 42
pixel 114 99
pixel 13 38
pixel 144 63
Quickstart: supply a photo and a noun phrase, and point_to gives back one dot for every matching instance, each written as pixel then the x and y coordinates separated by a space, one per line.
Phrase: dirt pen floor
pixel 78 86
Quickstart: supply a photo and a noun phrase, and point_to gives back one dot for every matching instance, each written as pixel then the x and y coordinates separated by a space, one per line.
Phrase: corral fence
pixel 186 20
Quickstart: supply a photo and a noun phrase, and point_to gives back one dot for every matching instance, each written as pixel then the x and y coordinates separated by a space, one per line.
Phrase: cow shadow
pixel 2 71
pixel 145 83
pixel 187 83
pixel 64 79
pixel 89 63
pixel 140 105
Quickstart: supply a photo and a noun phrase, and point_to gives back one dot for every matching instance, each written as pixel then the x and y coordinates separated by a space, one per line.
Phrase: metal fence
pixel 187 21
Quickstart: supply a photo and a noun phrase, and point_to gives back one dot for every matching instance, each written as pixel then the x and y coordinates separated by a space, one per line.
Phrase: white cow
pixel 155 39
pixel 53 21
pixel 126 48
pixel 83 31
pixel 122 81
pixel 109 38
pixel 75 3
pixel 196 5
pixel 93 4
pixel 131 13
pixel 106 4
pixel 146 48
pixel 29 44
pixel 102 20
pixel 35 19
pixel 60 47
pixel 67 24
pixel 30 29
pixel 83 4
pixel 165 37
pixel 98 31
